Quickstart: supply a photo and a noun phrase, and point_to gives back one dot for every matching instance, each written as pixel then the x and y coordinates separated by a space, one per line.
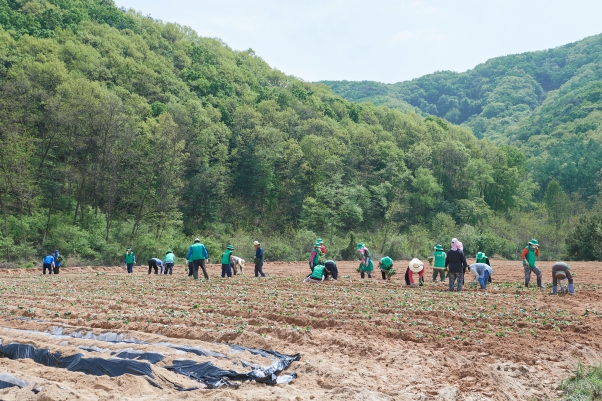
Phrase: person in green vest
pixel 169 260
pixel 198 254
pixel 439 263
pixel 366 264
pixel 529 256
pixel 130 259
pixel 314 257
pixel 386 268
pixel 317 275
pixel 227 262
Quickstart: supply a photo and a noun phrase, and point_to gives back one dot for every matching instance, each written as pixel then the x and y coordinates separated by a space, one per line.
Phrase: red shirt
pixel 411 275
pixel 526 252
pixel 323 249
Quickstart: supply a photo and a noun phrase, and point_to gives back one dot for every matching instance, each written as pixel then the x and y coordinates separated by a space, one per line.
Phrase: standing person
pixel 258 259
pixel 482 273
pixel 366 264
pixel 322 247
pixel 198 254
pixel 386 268
pixel 238 263
pixel 130 259
pixel 155 263
pixel 529 256
pixel 439 263
pixel 331 269
pixel 48 263
pixel 314 257
pixel 227 262
pixel 562 271
pixel 415 267
pixel 170 260
pixel 58 258
pixel 455 261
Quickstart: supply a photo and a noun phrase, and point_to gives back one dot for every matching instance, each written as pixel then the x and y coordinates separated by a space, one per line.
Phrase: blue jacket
pixel 259 255
pixel 48 260
pixel 56 259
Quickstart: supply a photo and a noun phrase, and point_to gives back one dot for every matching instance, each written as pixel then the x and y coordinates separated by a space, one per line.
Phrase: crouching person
pixel 386 268
pixel 482 274
pixel 331 270
pixel 415 270
pixel 318 275
pixel 155 263
pixel 238 263
pixel 562 271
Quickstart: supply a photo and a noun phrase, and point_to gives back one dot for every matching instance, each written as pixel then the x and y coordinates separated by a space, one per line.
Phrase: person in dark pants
pixel 227 262
pixel 130 259
pixel 455 262
pixel 198 254
pixel 258 259
pixel 154 263
pixel 386 268
pixel 58 258
pixel 190 268
pixel 170 260
pixel 562 271
pixel 331 269
pixel 48 263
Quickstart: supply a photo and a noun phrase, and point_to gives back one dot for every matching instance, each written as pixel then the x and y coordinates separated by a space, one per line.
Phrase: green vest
pixel 318 272
pixel 169 257
pixel 129 257
pixel 370 266
pixel 226 257
pixel 440 259
pixel 316 259
pixel 531 258
pixel 386 263
pixel 197 251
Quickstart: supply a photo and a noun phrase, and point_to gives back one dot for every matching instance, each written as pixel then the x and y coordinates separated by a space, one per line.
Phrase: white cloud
pixel 430 35
pixel 403 36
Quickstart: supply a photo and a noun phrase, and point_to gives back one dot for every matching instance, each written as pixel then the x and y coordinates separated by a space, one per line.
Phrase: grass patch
pixel 586 384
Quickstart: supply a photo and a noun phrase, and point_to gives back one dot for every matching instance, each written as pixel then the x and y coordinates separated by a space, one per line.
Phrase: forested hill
pixel 546 102
pixel 119 130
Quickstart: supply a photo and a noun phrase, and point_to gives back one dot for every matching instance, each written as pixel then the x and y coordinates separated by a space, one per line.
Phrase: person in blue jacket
pixel 48 263
pixel 58 258
pixel 258 259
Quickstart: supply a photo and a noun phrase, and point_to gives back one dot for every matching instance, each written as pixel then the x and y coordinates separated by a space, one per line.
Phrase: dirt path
pixel 358 339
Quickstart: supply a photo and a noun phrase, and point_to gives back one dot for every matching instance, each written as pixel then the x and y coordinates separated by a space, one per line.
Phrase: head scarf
pixel 456 245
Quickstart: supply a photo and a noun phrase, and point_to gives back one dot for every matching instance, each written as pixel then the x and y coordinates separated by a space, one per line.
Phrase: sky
pixel 380 40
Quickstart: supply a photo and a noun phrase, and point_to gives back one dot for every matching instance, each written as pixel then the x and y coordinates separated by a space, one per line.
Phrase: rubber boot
pixel 539 282
pixel 554 290
pixel 527 284
pixel 571 288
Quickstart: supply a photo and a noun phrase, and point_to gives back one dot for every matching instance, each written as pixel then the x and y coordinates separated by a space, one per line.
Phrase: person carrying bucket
pixel 529 256
pixel 415 268
pixel 366 264
pixel 438 263
pixel 561 271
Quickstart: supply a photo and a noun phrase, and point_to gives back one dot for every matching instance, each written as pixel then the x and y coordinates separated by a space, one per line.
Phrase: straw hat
pixel 416 265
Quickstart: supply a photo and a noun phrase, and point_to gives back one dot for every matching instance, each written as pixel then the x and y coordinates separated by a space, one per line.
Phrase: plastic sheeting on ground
pixel 78 363
pixel 8 380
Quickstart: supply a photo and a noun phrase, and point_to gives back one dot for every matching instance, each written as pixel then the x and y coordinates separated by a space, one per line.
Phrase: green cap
pixel 360 245
pixel 319 240
pixel 533 242
pixel 230 247
pixel 438 247
pixel 480 255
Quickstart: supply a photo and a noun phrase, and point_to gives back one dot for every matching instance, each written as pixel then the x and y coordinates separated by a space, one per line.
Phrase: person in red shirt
pixel 322 247
pixel 416 267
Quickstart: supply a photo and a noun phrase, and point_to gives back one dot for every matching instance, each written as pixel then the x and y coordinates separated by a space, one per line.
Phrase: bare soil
pixel 359 339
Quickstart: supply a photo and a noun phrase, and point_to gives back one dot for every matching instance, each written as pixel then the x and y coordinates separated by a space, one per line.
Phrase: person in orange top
pixel 529 257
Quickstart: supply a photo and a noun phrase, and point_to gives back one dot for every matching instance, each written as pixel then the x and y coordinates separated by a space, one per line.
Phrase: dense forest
pixel 120 130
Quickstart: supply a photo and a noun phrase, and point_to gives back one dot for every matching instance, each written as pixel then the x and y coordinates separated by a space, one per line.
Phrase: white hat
pixel 416 265
pixel 256 243
pixel 197 239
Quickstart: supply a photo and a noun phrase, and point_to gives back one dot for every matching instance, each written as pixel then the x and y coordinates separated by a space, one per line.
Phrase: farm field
pixel 359 339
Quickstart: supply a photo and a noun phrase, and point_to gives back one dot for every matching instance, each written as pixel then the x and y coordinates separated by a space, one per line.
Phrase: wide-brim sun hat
pixel 416 265
pixel 256 243
pixel 438 247
pixel 168 251
pixel 319 240
pixel 560 275
pixel 231 247
pixel 360 245
pixel 534 242
pixel 480 255
pixel 197 239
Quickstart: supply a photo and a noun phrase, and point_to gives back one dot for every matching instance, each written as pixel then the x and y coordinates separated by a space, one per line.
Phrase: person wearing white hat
pixel 258 259
pixel 198 255
pixel 415 267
